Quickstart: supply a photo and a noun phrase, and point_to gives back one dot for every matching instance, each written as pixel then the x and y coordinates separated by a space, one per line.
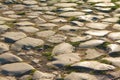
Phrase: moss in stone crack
pixel 21 13
pixel 60 79
pixel 114 1
pixel 32 71
pixel 105 61
pixel 118 21
pixel 103 46
pixel 75 43
pixel 48 55
pixel 115 7
pixel 73 18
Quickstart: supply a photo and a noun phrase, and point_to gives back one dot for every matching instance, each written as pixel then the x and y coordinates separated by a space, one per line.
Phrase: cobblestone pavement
pixel 59 40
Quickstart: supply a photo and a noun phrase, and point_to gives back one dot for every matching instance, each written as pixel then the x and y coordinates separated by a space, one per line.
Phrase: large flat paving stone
pixel 27 43
pixel 13 36
pixel 16 69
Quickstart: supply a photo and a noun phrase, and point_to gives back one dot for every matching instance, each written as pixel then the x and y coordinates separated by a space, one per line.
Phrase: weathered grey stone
pixel 45 34
pixel 99 1
pixel 80 38
pixel 13 36
pixel 3 28
pixel 58 38
pixel 25 23
pixel 68 28
pixel 114 35
pixel 65 5
pixel 115 61
pixel 32 2
pixel 92 54
pixel 16 69
pixel 9 58
pixel 112 48
pixel 3 47
pixel 28 29
pixel 65 59
pixel 97 32
pixel 43 76
pixel 97 25
pixel 27 43
pixel 62 48
pixel 70 14
pixel 80 76
pixel 91 43
pixel 93 65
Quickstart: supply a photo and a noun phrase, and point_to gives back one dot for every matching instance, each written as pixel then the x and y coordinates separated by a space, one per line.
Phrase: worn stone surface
pixel 53 37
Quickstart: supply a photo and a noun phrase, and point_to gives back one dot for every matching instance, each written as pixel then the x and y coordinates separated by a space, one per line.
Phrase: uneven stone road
pixel 59 40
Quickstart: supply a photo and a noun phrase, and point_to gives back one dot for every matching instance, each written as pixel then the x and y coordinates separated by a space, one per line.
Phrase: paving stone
pixel 43 76
pixel 114 35
pixel 45 34
pixel 58 38
pixel 25 23
pixel 27 43
pixel 65 59
pixel 97 32
pixel 16 69
pixel 80 76
pixel 70 14
pixel 91 43
pixel 62 48
pixel 93 65
pixel 29 29
pixel 68 28
pixel 3 28
pixel 3 47
pixel 97 25
pixel 93 54
pixel 115 61
pixel 9 58
pixel 65 5
pixel 13 36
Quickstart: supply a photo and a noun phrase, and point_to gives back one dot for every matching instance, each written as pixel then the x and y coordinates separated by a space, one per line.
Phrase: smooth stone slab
pixel 112 48
pixel 70 14
pixel 3 47
pixel 115 61
pixel 9 58
pixel 93 54
pixel 80 38
pixel 114 35
pixel 62 48
pixel 25 23
pixel 104 4
pixel 80 76
pixel 3 28
pixel 27 43
pixel 13 36
pixel 111 20
pixel 16 69
pixel 58 38
pixel 65 5
pixel 116 26
pixel 91 43
pixel 65 59
pixel 93 65
pixel 43 76
pixel 99 33
pixel 97 25
pixel 47 26
pixel 99 1
pixel 45 34
pixel 68 28
pixel 28 29
pixel 32 2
